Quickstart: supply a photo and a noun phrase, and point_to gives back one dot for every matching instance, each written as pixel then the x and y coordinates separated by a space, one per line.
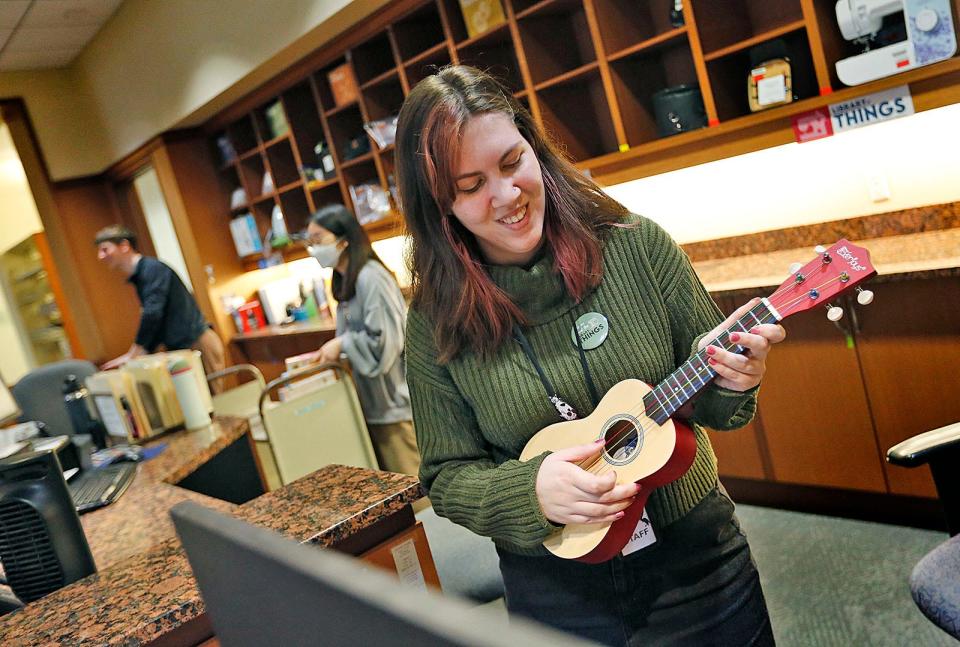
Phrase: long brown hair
pixel 450 283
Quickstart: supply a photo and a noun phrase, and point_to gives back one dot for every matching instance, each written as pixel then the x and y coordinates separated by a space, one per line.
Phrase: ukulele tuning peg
pixel 795 267
pixel 864 297
pixel 819 249
pixel 834 313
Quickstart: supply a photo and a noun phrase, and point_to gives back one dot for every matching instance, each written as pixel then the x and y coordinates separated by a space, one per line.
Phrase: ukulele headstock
pixel 839 268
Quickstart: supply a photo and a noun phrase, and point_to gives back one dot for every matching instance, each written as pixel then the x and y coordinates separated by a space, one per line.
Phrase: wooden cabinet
pixel 908 343
pixel 835 398
pixel 586 69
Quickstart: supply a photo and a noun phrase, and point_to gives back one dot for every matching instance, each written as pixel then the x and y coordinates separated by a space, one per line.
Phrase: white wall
pixel 799 184
pixel 163 64
pixel 162 233
pixel 63 118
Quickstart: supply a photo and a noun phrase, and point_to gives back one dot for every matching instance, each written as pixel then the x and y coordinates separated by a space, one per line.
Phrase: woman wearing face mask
pixel 370 332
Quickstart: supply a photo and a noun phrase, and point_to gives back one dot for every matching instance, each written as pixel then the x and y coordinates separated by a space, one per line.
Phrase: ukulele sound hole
pixel 624 439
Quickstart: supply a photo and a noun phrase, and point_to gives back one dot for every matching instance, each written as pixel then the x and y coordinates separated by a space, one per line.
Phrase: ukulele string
pixel 621 438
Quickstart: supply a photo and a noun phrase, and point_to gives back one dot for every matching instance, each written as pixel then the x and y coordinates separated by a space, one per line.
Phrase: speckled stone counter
pixel 152 595
pixel 915 243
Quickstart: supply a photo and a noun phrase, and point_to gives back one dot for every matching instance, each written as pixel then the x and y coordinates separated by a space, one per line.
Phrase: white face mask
pixel 327 255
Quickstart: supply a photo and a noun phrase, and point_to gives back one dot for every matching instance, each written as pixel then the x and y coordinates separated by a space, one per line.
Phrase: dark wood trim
pixel 917 512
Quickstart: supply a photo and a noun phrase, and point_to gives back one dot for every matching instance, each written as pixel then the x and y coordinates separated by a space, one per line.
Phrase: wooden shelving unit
pixel 586 69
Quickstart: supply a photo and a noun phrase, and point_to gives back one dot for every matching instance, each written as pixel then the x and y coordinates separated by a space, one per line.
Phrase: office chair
pixel 935 580
pixel 39 394
pixel 42 544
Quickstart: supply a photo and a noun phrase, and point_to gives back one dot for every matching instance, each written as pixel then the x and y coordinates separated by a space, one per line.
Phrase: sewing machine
pixel 895 35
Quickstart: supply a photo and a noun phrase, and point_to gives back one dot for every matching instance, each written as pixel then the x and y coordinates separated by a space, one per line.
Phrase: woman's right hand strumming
pixel 570 494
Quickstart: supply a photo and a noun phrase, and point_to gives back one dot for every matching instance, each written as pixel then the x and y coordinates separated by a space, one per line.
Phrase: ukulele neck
pixel 695 374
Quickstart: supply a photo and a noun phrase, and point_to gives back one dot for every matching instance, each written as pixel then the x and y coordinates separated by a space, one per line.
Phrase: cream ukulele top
pixel 642 442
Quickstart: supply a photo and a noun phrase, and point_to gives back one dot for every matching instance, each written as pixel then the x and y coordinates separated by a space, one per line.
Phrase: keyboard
pixel 96 488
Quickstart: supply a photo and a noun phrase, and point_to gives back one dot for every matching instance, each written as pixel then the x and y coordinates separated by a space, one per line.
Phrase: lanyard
pixel 566 411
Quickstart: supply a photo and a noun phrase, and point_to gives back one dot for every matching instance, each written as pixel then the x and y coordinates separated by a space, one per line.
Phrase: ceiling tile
pixel 68 13
pixel 29 39
pixel 36 60
pixel 11 11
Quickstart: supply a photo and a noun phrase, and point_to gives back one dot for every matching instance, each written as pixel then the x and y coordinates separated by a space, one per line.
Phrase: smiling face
pixel 499 190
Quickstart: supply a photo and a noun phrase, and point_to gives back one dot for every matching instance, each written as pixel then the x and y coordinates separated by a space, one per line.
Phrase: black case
pixel 679 109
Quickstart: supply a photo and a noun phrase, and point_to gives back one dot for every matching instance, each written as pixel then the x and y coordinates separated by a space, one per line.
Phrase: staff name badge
pixel 593 329
pixel 642 536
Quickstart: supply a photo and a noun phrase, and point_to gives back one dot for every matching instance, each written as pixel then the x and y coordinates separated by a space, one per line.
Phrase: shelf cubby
pixel 283 165
pixel 372 58
pixel 427 63
pixel 305 125
pixel 729 75
pixel 418 32
pixel 455 23
pixel 556 39
pixel 835 46
pixel 252 169
pixel 265 131
pixel 494 54
pixel 577 115
pixel 638 77
pixel 242 135
pixel 322 84
pixel 344 125
pixel 624 23
pixel 296 211
pixel 261 214
pixel 325 192
pixel 722 24
pixel 359 170
pixel 384 99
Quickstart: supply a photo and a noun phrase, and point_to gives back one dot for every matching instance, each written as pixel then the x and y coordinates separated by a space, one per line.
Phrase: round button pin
pixel 593 328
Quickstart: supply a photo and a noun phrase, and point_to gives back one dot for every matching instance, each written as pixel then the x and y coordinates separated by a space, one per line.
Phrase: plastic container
pixel 195 413
pixel 280 236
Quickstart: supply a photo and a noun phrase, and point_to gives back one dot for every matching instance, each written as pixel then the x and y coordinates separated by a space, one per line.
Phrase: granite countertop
pixel 185 450
pixel 138 599
pixel 912 255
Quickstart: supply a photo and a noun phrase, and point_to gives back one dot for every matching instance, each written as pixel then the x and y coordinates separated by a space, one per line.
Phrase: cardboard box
pixel 481 15
pixel 343 85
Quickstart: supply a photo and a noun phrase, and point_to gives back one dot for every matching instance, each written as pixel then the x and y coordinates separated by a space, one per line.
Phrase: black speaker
pixel 679 109
pixel 42 544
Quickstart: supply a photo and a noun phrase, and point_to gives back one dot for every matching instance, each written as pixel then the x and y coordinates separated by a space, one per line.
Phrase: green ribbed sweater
pixel 474 417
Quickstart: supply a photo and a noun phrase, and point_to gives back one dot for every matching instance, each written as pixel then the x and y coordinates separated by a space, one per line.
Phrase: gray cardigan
pixel 372 327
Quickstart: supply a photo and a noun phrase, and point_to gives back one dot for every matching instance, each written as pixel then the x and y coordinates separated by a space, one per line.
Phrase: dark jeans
pixel 697 585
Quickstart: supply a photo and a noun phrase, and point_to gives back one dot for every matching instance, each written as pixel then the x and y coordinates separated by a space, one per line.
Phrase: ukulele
pixel 642 443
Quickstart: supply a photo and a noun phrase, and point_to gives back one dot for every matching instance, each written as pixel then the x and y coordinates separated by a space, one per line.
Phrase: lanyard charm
pixel 566 411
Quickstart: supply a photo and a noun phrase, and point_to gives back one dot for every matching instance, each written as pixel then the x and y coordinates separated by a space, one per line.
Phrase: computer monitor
pixel 9 411
pixel 263 589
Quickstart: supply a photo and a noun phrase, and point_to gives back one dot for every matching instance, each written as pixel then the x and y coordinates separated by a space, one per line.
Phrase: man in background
pixel 169 314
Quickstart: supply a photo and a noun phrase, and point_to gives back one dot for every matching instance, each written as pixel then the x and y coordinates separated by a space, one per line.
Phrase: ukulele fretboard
pixel 693 375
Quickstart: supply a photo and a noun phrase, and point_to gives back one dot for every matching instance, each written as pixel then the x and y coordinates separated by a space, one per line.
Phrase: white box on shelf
pixel 246 238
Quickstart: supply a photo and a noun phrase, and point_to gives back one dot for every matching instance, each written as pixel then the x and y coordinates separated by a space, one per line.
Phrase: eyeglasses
pixel 321 239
